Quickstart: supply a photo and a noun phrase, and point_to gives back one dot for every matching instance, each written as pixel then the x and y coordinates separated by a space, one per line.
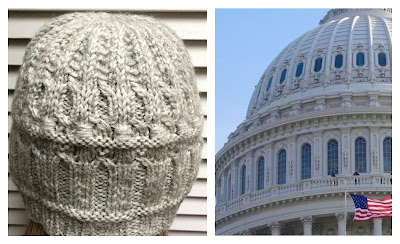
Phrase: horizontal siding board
pixel 17 217
pixel 190 223
pixel 187 233
pixel 188 26
pixel 197 51
pixel 18 230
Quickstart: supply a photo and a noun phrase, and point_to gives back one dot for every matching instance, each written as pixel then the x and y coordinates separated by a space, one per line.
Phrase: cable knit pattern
pixel 106 125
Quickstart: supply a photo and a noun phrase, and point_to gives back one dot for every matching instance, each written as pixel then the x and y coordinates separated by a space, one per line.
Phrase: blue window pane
pixel 299 69
pixel 382 59
pixel 306 161
pixel 387 155
pixel 283 76
pixel 333 157
pixel 361 155
pixel 269 83
pixel 243 180
pixel 318 65
pixel 259 91
pixel 282 167
pixel 360 59
pixel 260 174
pixel 230 193
pixel 338 61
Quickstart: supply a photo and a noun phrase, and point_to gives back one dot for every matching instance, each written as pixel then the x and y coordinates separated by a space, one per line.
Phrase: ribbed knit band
pixel 106 126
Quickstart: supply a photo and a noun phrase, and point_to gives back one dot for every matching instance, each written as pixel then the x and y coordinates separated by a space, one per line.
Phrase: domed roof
pixel 350 46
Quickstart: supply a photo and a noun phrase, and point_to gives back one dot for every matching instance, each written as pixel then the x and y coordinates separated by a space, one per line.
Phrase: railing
pixel 281 192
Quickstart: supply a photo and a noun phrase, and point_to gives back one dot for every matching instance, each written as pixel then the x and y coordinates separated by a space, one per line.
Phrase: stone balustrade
pixel 304 188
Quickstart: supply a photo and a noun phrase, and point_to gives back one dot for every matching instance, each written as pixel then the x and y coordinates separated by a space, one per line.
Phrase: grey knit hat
pixel 106 126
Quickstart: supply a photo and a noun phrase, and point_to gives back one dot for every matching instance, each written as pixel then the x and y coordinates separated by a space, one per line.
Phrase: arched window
pixel 333 157
pixel 260 174
pixel 243 180
pixel 282 167
pixel 360 154
pixel 360 59
pixel 382 59
pixel 339 61
pixel 269 83
pixel 306 161
pixel 283 76
pixel 387 155
pixel 299 69
pixel 318 65
pixel 230 193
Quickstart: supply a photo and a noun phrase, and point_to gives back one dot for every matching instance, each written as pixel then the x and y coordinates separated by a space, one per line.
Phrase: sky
pixel 246 42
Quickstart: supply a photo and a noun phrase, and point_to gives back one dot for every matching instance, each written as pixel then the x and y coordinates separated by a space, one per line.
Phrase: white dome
pixel 343 32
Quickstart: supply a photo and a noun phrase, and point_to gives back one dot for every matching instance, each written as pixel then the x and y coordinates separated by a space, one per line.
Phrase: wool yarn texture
pixel 106 126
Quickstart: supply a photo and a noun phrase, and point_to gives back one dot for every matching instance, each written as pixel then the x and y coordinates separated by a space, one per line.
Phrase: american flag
pixel 367 208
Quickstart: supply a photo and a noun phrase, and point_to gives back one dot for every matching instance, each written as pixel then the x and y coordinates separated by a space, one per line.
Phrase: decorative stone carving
pixel 316 161
pixel 373 101
pixel 275 226
pixel 307 220
pixel 346 101
pixel 320 105
pixel 345 158
pixel 340 216
pixel 279 89
pixel 375 157
pixel 296 110
pixel 274 116
pixel 290 167
pixel 296 83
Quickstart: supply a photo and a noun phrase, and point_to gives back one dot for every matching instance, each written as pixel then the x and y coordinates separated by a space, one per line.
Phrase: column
pixel 275 228
pixel 341 218
pixel 377 227
pixel 307 225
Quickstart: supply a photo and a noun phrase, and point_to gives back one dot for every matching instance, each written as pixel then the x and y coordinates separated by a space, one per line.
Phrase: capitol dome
pixel 318 122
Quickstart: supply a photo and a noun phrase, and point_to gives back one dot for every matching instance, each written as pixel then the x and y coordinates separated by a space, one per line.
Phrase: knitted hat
pixel 106 126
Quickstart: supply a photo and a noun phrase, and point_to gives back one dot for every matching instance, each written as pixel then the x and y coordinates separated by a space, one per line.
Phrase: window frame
pixel 357 167
pixel 284 74
pixel 384 148
pixel 302 70
pixel 281 169
pixel 332 158
pixel 243 180
pixel 260 173
pixel 309 162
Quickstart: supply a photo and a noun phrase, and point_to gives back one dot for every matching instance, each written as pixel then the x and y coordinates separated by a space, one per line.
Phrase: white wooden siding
pixel 191 26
